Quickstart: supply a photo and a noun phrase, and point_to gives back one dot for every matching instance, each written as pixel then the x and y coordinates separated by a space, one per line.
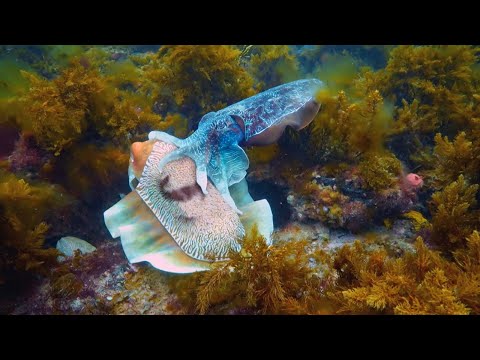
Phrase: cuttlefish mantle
pixel 258 120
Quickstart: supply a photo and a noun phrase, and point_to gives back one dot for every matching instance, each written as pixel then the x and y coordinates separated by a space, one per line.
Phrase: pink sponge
pixel 414 180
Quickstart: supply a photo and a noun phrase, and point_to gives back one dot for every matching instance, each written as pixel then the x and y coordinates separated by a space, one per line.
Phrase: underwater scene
pixel 239 179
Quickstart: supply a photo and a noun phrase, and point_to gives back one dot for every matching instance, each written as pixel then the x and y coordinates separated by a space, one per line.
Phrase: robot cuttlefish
pixel 189 204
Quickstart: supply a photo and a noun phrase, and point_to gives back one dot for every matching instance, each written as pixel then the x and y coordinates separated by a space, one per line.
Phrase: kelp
pixel 195 79
pixel 258 279
pixel 418 220
pixel 434 84
pixel 420 282
pixel 12 83
pixel 379 172
pixel 451 159
pixel 454 214
pixel 344 130
pixel 338 71
pixel 272 65
pixel 91 169
pixel 121 115
pixel 262 154
pixel 23 207
pixel 82 102
pixel 57 110
pixel 88 105
pixel 358 278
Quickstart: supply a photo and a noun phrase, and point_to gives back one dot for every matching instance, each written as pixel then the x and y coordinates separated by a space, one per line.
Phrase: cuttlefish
pixel 257 120
pixel 190 205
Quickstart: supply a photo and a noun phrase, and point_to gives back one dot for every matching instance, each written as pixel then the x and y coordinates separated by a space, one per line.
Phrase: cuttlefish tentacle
pixel 258 120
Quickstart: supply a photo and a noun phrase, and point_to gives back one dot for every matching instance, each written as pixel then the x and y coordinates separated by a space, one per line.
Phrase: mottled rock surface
pixel 100 283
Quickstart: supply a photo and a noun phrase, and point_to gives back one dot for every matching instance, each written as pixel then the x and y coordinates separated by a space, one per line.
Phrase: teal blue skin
pixel 258 120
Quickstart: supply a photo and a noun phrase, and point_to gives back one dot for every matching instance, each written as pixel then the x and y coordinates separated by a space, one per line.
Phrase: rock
pixel 338 238
pixel 68 244
pixel 299 230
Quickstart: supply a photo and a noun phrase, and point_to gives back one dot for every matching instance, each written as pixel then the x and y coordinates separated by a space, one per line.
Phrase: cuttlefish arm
pixel 258 120
pixel 214 149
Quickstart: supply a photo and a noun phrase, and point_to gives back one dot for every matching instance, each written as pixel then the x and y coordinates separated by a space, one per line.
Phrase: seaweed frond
pixel 454 214
pixel 195 80
pixel 259 278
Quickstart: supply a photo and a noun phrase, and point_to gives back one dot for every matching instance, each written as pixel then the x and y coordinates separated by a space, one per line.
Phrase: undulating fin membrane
pixel 145 239
pixel 235 162
pixel 254 212
pixel 204 226
pixel 259 214
pixel 240 194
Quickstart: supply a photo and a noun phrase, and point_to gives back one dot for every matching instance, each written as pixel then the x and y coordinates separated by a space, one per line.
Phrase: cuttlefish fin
pixel 144 238
pixel 259 214
pixel 254 213
pixel 240 194
pixel 226 169
pixel 235 162
pixel 163 136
